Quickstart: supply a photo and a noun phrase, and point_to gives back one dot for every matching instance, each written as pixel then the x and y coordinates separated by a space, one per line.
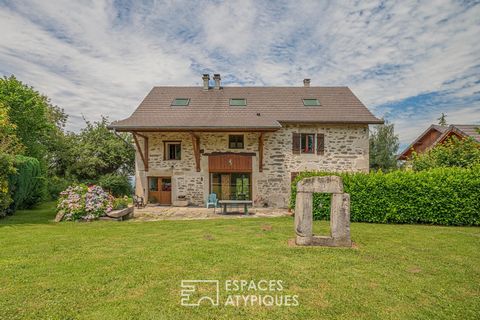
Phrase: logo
pixel 196 292
pixel 236 293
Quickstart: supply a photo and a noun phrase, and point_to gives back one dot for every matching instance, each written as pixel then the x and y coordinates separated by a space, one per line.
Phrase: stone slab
pixel 121 213
pixel 327 184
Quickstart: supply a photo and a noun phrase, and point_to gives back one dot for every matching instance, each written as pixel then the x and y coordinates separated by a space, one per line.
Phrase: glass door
pixel 231 186
pixel 160 190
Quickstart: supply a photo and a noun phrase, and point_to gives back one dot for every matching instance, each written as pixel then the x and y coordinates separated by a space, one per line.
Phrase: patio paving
pixel 155 212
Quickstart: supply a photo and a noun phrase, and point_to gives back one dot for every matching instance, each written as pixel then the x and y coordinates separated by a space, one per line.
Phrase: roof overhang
pixel 190 129
pixel 378 121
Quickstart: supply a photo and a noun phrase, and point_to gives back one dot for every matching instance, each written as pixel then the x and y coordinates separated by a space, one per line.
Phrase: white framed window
pixel 172 150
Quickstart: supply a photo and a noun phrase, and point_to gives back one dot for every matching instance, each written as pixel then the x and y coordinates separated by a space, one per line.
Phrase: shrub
pixel 55 185
pixel 6 169
pixel 117 185
pixel 120 203
pixel 27 185
pixel 446 196
pixel 453 153
pixel 82 202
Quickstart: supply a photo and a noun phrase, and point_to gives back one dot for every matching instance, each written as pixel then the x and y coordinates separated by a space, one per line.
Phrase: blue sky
pixel 407 61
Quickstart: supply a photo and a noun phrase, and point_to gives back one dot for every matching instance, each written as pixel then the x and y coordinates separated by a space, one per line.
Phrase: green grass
pixel 132 270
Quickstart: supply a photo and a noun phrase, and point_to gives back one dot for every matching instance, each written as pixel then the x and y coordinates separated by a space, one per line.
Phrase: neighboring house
pixel 436 134
pixel 243 142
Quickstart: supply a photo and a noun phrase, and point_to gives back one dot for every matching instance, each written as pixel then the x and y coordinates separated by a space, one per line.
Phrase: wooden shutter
pixel 320 143
pixel 296 143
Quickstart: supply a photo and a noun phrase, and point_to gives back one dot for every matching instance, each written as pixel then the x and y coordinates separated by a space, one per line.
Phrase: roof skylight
pixel 311 102
pixel 238 102
pixel 180 102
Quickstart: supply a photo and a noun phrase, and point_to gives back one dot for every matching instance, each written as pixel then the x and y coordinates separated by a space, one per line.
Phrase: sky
pixel 407 61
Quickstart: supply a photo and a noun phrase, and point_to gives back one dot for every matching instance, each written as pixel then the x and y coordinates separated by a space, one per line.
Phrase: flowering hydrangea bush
pixel 97 202
pixel 84 203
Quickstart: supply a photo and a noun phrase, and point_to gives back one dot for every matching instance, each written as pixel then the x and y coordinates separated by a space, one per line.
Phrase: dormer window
pixel 238 102
pixel 311 102
pixel 180 102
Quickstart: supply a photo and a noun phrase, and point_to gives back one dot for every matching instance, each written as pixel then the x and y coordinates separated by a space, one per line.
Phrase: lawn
pixel 127 270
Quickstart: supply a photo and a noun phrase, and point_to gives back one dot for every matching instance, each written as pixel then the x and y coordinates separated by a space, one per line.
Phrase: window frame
pixel 180 105
pixel 237 105
pixel 236 142
pixel 311 105
pixel 314 136
pixel 166 150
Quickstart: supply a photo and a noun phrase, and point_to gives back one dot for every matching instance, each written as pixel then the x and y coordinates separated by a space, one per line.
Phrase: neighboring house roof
pixel 466 130
pixel 437 134
pixel 266 108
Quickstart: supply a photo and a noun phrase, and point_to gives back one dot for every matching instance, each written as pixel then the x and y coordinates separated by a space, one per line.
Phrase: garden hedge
pixel 444 196
pixel 27 185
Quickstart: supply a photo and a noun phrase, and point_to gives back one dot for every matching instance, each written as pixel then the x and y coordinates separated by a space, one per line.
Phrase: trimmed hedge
pixel 444 196
pixel 27 185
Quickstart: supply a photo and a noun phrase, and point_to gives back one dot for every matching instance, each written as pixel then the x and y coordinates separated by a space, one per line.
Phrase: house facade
pixel 436 134
pixel 243 143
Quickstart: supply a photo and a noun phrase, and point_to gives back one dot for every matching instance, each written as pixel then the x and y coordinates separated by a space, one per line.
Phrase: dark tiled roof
pixel 266 108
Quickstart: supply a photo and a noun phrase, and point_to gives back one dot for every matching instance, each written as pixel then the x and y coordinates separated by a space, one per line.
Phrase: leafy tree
pixel 10 144
pixel 442 120
pixel 39 124
pixel 453 152
pixel 383 147
pixel 96 151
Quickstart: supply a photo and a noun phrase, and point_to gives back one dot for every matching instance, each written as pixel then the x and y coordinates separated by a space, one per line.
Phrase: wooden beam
pixel 145 146
pixel 138 147
pixel 260 152
pixel 196 149
pixel 141 135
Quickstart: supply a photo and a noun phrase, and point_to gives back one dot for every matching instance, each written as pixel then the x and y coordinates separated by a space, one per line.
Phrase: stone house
pixel 243 142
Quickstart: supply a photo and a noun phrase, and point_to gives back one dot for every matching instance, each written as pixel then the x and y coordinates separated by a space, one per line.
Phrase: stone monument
pixel 339 212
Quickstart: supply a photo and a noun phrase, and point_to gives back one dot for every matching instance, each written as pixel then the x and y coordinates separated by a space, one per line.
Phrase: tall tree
pixel 39 124
pixel 96 151
pixel 383 147
pixel 442 120
pixel 9 142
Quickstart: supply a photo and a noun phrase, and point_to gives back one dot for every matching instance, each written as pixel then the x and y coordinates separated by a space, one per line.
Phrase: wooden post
pixel 196 149
pixel 144 154
pixel 145 146
pixel 260 152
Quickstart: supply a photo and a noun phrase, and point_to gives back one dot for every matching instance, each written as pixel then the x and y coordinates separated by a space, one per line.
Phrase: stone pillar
pixel 303 218
pixel 340 219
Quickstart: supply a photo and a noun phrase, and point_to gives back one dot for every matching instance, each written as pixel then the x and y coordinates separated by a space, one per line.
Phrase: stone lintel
pixel 327 184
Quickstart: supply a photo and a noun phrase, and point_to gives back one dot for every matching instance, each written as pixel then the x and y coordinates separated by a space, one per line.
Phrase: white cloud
pixel 94 57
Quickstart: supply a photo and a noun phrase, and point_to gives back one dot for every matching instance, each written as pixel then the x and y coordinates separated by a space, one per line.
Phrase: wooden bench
pixel 225 203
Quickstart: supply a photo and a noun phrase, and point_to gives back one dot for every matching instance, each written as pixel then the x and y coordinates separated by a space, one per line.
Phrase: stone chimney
pixel 306 83
pixel 217 79
pixel 206 79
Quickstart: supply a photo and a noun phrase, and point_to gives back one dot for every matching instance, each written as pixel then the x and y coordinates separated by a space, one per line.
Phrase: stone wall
pixel 346 149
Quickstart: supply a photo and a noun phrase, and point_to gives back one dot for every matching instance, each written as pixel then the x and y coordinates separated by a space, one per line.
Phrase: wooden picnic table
pixel 225 203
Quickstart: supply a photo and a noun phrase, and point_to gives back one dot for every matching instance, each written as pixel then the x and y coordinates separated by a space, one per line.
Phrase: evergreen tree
pixel 383 147
pixel 442 120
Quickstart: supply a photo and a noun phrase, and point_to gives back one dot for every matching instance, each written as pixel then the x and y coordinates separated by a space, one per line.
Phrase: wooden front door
pixel 160 190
